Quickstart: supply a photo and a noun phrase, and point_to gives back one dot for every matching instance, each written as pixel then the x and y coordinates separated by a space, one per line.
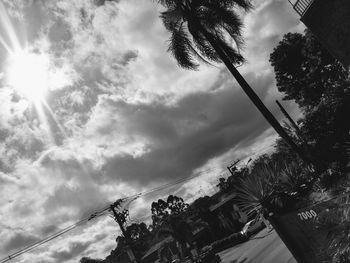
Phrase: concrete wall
pixel 329 20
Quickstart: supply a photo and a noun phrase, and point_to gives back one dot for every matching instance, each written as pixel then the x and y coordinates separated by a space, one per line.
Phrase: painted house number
pixel 307 215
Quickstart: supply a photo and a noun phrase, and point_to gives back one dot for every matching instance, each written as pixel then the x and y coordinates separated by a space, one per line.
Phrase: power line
pixel 97 214
pixel 53 236
pixel 103 212
pixel 179 181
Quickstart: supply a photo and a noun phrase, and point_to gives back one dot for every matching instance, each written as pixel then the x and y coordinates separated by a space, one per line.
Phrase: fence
pixel 301 6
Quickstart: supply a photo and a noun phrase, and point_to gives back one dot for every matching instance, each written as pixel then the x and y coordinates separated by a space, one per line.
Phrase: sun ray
pixel 5 45
pixel 9 29
pixel 53 116
pixel 45 122
pixel 31 75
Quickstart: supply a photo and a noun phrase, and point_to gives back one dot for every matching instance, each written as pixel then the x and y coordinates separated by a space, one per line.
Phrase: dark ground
pixel 265 247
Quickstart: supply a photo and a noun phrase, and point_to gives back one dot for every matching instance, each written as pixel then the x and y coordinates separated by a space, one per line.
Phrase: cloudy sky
pixel 118 117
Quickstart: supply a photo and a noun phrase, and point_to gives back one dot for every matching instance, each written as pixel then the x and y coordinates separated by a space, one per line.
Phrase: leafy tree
pixel 199 33
pixel 305 71
pixel 161 209
pixel 176 204
pixel 309 75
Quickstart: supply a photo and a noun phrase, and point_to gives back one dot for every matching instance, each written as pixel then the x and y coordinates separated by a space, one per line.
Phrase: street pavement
pixel 265 247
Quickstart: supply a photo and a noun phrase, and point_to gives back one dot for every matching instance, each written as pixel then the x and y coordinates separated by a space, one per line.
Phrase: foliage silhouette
pixel 161 209
pixel 309 75
pixel 233 181
pixel 275 186
pixel 336 221
pixel 199 33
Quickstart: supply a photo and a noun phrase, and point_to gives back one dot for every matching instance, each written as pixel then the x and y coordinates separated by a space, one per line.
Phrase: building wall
pixel 329 20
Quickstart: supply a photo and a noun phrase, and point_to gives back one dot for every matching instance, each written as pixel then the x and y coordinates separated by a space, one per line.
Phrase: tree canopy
pixel 308 74
pixel 161 209
pixel 305 71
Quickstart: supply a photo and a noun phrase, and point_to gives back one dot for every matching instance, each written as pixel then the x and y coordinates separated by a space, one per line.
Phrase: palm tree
pixel 199 33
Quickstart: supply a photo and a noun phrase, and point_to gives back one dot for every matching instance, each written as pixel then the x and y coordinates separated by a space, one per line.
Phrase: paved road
pixel 263 248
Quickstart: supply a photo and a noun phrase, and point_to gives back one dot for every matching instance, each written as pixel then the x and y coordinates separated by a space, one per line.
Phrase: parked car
pixel 252 227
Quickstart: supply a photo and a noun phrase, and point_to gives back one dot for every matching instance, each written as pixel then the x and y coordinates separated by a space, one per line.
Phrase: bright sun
pixel 28 74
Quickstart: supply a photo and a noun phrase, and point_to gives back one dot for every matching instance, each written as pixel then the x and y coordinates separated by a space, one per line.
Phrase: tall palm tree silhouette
pixel 202 31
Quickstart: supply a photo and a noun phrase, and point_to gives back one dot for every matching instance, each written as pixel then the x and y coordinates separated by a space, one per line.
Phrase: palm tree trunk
pixel 254 97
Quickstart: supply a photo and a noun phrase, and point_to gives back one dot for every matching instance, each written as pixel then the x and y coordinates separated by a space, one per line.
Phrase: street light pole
pixel 232 165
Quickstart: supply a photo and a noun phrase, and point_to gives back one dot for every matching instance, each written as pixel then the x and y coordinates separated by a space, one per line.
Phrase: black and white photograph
pixel 175 131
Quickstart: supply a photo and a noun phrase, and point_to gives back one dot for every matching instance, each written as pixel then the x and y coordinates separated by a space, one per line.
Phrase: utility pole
pixel 292 122
pixel 285 113
pixel 230 168
pixel 120 222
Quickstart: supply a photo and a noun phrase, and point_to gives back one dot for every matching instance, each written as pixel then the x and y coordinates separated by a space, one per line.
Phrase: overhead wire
pixel 53 236
pixel 103 211
pixel 173 183
pixel 129 199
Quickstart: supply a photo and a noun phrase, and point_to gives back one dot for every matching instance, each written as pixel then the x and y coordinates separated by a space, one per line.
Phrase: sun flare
pixel 28 74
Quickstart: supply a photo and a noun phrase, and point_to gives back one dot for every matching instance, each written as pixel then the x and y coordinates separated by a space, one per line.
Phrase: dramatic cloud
pixel 119 117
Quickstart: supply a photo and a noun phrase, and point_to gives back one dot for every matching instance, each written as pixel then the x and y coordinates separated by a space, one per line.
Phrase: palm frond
pixel 171 18
pixel 273 186
pixel 203 46
pixel 295 178
pixel 220 17
pixel 198 55
pixel 257 189
pixel 197 18
pixel 180 46
pixel 234 56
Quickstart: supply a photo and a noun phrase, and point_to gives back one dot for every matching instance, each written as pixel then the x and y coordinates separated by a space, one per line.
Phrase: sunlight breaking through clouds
pixel 28 73
pixel 93 108
pixel 31 73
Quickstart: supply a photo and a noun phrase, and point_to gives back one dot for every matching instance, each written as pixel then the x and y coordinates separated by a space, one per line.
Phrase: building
pixel 163 248
pixel 329 21
pixel 231 218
